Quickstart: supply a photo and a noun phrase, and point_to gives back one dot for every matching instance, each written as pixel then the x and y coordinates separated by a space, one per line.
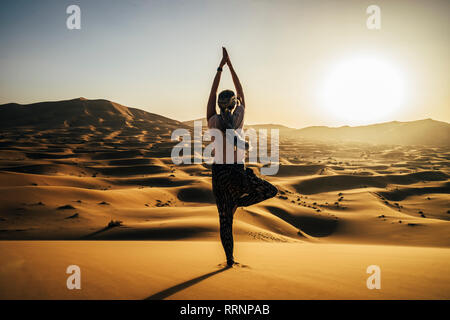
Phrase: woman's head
pixel 226 100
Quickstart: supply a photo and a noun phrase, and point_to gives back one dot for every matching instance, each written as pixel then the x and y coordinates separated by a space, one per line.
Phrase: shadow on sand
pixel 95 233
pixel 172 290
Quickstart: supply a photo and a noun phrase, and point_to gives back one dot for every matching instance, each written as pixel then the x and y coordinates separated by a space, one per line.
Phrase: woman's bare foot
pixel 234 264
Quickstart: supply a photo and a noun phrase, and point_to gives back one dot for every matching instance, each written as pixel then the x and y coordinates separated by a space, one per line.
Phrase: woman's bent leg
pixel 257 190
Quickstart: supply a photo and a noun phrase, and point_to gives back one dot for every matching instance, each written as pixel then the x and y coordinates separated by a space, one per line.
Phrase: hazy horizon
pixel 161 57
pixel 247 122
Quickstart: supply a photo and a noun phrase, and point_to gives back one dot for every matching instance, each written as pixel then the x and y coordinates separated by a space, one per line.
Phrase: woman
pixel 233 184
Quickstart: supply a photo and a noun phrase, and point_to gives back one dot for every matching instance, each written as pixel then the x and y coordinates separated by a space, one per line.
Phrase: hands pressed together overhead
pixel 237 83
pixel 225 58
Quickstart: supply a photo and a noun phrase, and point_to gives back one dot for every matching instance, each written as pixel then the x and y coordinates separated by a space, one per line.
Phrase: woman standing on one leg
pixel 234 185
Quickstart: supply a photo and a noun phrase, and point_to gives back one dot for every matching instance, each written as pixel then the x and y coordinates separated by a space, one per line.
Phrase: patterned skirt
pixel 236 186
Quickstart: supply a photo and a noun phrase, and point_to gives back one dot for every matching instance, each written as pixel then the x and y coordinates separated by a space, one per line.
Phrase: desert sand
pixel 189 270
pixel 67 169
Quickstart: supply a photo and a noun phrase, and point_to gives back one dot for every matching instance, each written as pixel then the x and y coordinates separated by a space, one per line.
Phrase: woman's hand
pixel 224 57
pixel 225 54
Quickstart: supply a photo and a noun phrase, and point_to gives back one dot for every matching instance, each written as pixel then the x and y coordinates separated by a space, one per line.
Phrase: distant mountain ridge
pixel 190 123
pixel 80 112
pixel 98 113
pixel 419 132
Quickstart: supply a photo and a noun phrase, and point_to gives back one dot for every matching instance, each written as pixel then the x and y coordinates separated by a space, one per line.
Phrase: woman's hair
pixel 226 99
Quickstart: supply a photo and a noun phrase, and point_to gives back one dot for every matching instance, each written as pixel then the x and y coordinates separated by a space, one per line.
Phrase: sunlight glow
pixel 363 90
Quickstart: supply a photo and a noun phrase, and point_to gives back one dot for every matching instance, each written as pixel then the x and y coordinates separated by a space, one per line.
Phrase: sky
pixel 161 56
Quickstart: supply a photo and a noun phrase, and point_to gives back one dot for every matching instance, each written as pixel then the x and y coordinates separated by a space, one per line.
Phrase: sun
pixel 362 90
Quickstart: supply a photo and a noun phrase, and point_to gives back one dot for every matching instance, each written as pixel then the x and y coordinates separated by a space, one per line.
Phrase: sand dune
pixel 299 170
pixel 139 178
pixel 68 168
pixel 345 182
pixel 167 270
